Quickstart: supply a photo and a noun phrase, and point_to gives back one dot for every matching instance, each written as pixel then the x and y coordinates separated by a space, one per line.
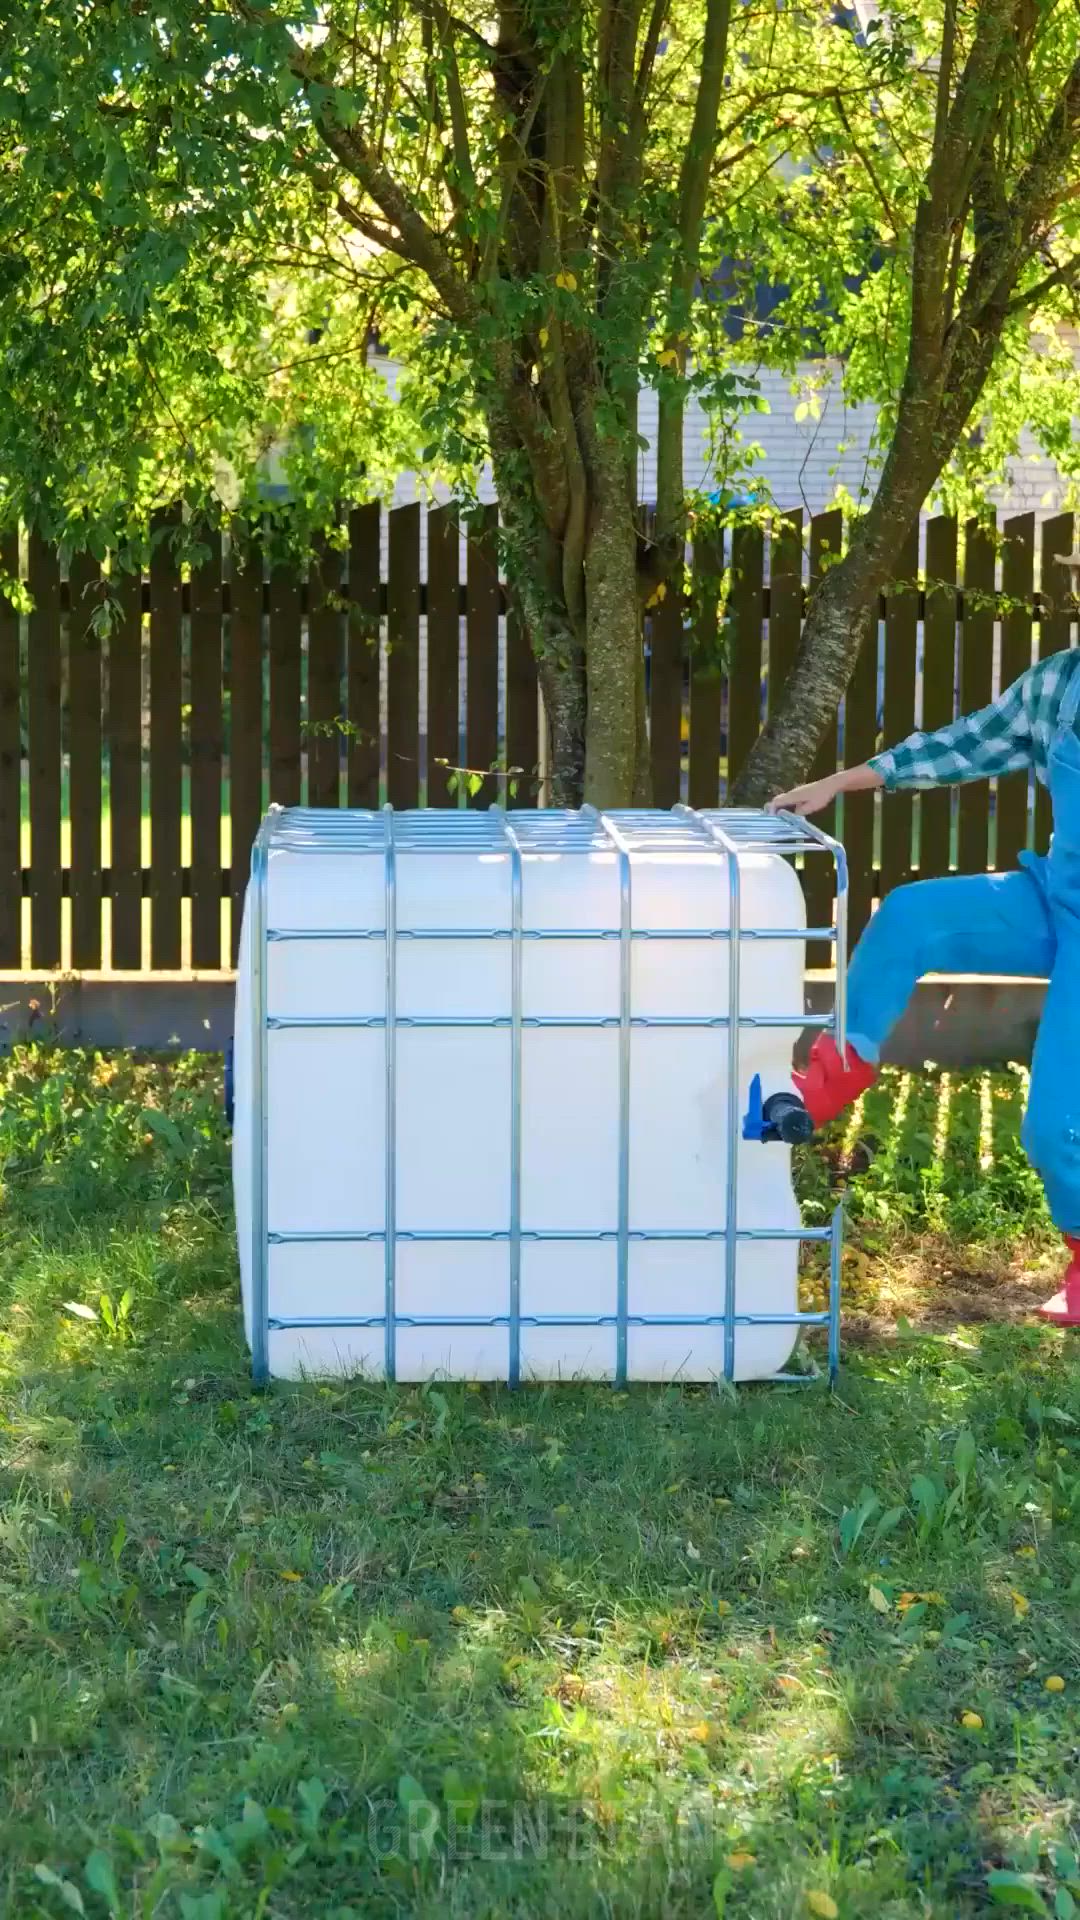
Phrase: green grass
pixel 341 1650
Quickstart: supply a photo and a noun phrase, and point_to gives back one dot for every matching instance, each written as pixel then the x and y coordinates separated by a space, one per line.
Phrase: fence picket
pixel 976 681
pixel 276 700
pixel 325 663
pixel 166 697
pixel 205 753
pixel 403 664
pixel 785 602
pixel 247 652
pixel 286 617
pixel 706 683
pixel 744 666
pixel 1055 633
pixel 666 668
pixel 1017 584
pixel 939 687
pixel 43 713
pixel 363 655
pixel 522 712
pixel 125 732
pixel 858 813
pixel 84 760
pixel 482 675
pixel 10 765
pixel 901 640
pixel 443 656
pixel 819 875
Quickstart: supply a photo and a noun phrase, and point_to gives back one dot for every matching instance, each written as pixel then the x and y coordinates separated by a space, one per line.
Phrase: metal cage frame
pixel 728 833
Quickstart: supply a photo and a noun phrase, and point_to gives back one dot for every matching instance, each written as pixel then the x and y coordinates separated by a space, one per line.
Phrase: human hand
pixel 812 798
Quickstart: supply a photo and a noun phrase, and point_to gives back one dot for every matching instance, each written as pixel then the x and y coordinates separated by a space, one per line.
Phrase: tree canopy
pixel 208 209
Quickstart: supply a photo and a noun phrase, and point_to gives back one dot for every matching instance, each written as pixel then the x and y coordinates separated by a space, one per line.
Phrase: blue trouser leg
pixel 1051 1132
pixel 968 923
pixel 987 923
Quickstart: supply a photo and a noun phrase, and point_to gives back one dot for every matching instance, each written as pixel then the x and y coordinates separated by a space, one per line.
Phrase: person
pixel 1023 923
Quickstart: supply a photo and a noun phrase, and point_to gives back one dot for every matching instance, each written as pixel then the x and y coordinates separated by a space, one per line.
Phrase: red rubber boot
pixel 830 1083
pixel 1064 1309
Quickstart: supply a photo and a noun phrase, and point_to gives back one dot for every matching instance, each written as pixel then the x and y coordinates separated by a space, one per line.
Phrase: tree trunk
pixel 843 602
pixel 535 566
pixel 613 649
pixel 563 691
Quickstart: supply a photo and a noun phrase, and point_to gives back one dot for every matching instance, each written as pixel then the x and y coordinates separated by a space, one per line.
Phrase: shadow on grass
pixel 343 1649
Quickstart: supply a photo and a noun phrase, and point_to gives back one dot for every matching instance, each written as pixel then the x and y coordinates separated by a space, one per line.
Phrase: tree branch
pixel 459 120
pixel 419 241
pixel 381 236
pixel 694 175
pixel 871 173
pixel 646 65
pixel 1063 276
pixel 514 151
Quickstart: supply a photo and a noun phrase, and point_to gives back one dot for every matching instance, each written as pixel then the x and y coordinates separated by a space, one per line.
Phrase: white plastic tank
pixel 484 1093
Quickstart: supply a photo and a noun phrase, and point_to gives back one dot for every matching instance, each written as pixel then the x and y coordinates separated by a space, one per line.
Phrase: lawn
pixel 347 1651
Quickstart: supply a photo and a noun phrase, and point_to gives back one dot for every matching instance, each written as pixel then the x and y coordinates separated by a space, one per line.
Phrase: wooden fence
pixel 134 768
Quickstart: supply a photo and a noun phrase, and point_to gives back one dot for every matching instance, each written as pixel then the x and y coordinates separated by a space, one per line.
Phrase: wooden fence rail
pixel 135 763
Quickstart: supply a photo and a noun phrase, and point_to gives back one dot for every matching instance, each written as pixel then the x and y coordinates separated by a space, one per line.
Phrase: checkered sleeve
pixel 999 739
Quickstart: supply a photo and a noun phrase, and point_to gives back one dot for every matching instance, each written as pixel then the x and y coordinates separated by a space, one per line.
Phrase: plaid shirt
pixel 1014 732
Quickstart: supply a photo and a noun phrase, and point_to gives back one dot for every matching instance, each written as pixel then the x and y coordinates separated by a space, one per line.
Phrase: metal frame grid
pixel 729 833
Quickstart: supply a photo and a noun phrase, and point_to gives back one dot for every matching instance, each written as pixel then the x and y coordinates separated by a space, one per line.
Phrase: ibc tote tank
pixel 485 1082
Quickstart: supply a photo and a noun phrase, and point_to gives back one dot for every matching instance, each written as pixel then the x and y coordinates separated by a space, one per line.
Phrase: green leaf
pixel 100 1878
pixel 1064 1905
pixel 854 1519
pixel 964 1454
pixel 68 1893
pixel 721 1887
pixel 166 1832
pixel 1015 1890
pixel 927 1498
pixel 889 1523
pixel 194 1611
pixel 462 1798
pixel 154 1121
pixel 313 1797
pixel 202 1906
pixel 423 1816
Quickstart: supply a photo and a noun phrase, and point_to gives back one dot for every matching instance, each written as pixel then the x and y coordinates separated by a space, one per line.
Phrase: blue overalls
pixel 1025 923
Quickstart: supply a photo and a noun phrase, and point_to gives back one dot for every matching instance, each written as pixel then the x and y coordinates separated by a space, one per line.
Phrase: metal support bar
pixel 486 1236
pixel 836 1258
pixel 260 1077
pixel 516 1001
pixel 793 1023
pixel 390 1264
pixel 833 847
pixel 307 1322
pixel 626 922
pixel 731 1202
pixel 287 934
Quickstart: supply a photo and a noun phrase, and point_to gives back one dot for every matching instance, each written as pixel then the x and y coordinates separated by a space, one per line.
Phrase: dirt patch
pixel 935 1285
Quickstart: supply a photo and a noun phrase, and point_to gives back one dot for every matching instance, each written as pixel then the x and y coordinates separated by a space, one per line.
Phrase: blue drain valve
pixel 782 1117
